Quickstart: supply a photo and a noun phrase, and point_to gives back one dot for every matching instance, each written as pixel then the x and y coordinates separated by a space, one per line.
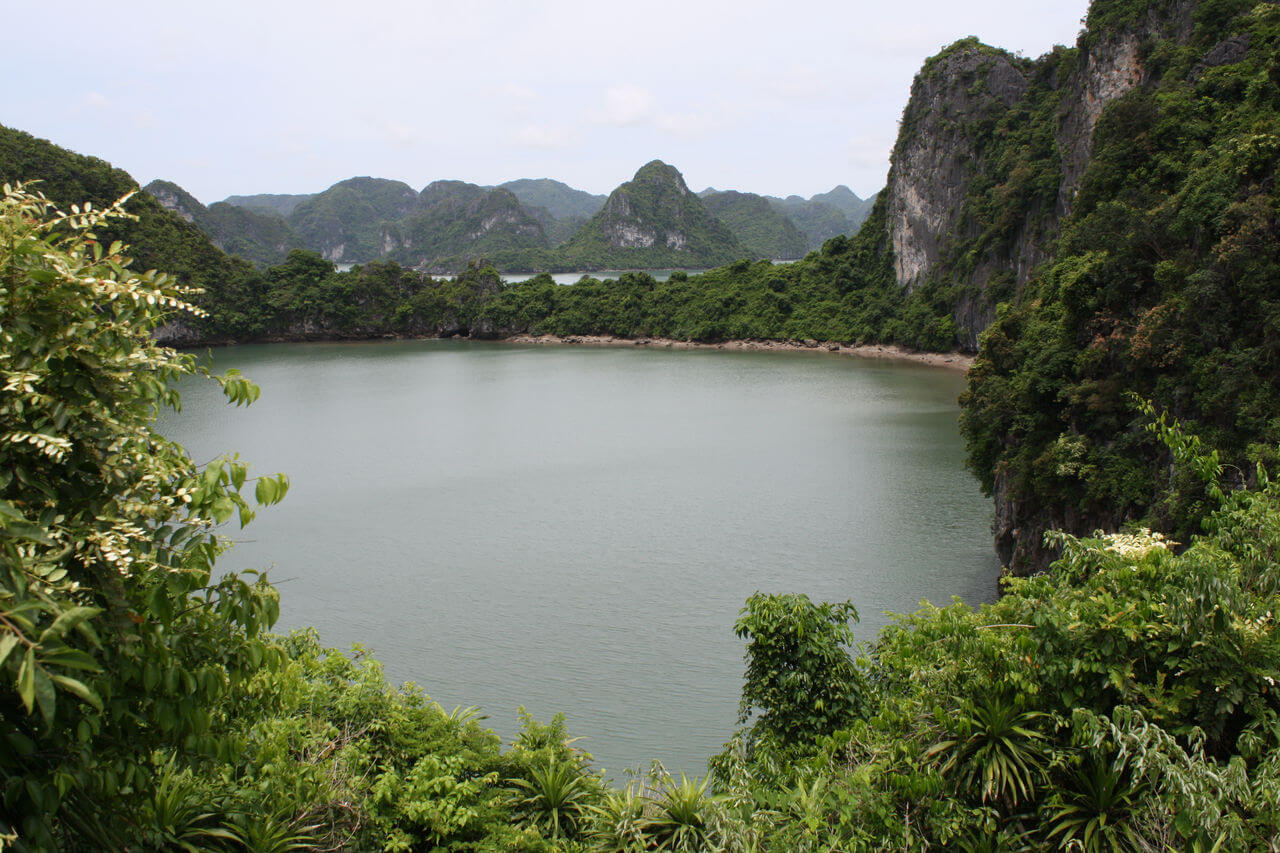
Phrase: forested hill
pixel 159 238
pixel 761 228
pixel 1109 211
pixel 656 218
pixel 559 199
pixel 257 234
pixel 650 222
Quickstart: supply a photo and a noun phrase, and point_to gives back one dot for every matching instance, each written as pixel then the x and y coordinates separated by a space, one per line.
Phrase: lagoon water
pixel 575 529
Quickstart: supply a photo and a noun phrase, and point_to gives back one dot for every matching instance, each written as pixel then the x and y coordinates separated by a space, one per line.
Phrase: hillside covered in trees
pixel 523 225
pixel 1099 223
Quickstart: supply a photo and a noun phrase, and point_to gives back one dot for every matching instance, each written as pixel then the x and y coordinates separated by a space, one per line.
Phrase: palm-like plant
pixel 555 798
pixel 176 815
pixel 1095 810
pixel 684 817
pixel 996 751
pixel 272 833
pixel 618 823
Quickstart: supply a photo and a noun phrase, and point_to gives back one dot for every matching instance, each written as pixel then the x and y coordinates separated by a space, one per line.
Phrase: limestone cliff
pixel 174 198
pixel 1116 201
pixel 966 211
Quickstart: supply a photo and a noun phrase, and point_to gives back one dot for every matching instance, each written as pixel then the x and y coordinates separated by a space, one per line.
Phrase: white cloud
pixel 688 124
pixel 397 134
pixel 96 101
pixel 539 136
pixel 626 106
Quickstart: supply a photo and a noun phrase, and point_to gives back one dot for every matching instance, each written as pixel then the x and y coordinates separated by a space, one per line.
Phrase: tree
pixel 116 643
pixel 799 672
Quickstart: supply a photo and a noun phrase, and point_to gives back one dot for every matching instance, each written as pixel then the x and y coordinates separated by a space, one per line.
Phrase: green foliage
pixel 280 203
pixel 994 748
pixel 674 228
pixel 799 675
pixel 555 798
pixel 115 641
pixel 560 200
pixel 348 220
pixel 618 824
pixel 1162 284
pixel 1094 810
pixel 818 222
pixel 684 817
pixel 455 222
pixel 763 230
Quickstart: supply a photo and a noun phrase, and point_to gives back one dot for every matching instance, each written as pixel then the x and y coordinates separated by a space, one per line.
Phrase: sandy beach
pixel 951 361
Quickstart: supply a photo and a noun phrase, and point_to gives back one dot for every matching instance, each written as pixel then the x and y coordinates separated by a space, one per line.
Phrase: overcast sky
pixel 234 97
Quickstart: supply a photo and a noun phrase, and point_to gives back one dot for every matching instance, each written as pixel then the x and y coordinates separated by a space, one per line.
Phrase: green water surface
pixel 575 529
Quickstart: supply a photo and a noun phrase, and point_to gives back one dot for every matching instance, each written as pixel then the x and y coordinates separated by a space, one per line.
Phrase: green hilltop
pixel 649 222
pixel 348 221
pixel 282 204
pixel 764 231
pixel 653 220
pixel 455 219
pixel 256 234
pixel 559 199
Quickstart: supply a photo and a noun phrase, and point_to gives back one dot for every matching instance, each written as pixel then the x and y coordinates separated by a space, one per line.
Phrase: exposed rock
pixel 939 160
pixel 1226 52
pixel 1105 73
pixel 937 155
pixel 174 198
pixel 654 220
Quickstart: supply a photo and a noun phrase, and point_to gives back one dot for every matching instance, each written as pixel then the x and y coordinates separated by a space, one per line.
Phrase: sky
pixel 235 97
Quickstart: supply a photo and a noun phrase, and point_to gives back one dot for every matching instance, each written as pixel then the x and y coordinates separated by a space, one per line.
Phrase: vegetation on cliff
pixel 454 219
pixel 258 234
pixel 348 221
pixel 281 203
pixel 825 215
pixel 1127 700
pixel 1161 283
pixel 653 220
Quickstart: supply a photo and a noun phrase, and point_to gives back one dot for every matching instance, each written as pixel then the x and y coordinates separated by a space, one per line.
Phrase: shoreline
pixel 958 361
pixel 947 360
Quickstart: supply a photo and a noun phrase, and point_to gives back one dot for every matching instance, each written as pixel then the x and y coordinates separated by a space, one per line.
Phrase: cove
pixel 575 529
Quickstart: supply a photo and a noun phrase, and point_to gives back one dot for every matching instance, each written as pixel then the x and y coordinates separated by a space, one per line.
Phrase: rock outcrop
pixel 941 161
pixel 992 162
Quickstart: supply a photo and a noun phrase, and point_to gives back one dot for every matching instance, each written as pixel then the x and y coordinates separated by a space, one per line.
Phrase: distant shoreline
pixel 949 360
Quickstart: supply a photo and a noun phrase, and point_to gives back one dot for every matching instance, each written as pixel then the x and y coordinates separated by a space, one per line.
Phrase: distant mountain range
pixel 527 224
pixel 818 218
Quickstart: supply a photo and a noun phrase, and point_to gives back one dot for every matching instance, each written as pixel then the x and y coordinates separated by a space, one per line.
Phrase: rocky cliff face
pixel 345 222
pixel 653 209
pixel 938 152
pixel 177 200
pixel 456 220
pixel 988 169
pixel 942 163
